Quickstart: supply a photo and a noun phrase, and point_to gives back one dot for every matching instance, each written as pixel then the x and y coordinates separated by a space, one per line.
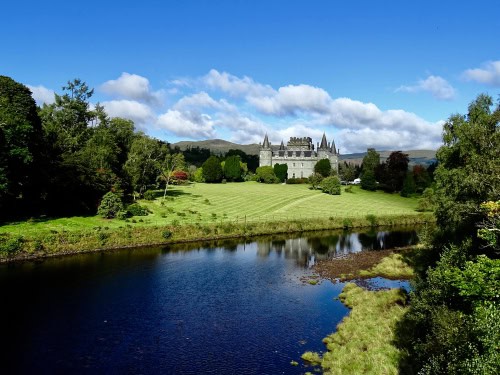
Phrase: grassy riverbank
pixel 204 211
pixel 364 340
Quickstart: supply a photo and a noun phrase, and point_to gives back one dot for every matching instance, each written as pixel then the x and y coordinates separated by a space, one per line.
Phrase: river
pixel 231 307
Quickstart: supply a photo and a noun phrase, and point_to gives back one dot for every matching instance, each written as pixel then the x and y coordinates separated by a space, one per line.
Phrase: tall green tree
pixel 323 167
pixel 212 170
pixel 20 143
pixel 232 168
pixel 396 171
pixel 281 171
pixel 143 163
pixel 370 162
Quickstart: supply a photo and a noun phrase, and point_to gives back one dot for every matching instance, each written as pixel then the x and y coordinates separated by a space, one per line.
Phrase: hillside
pixel 424 157
pixel 218 146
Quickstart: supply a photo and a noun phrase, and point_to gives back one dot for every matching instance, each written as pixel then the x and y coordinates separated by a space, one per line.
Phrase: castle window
pixel 302 165
pixel 294 175
pixel 294 164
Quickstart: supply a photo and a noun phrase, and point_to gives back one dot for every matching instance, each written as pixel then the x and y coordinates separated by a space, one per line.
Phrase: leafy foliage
pixel 331 185
pixel 110 205
pixel 212 170
pixel 453 325
pixel 266 175
pixel 323 167
pixel 281 171
pixel 232 168
pixel 368 181
pixel 370 162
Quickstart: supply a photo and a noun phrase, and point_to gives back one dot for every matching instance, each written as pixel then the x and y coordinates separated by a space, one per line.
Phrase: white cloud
pixel 489 74
pixel 187 124
pixel 437 86
pixel 291 99
pixel 235 86
pixel 202 100
pixel 140 113
pixel 132 86
pixel 42 94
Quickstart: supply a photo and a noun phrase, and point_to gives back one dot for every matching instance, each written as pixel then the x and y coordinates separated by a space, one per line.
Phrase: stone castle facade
pixel 299 155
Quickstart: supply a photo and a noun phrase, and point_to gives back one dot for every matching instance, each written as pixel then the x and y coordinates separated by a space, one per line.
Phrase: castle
pixel 299 155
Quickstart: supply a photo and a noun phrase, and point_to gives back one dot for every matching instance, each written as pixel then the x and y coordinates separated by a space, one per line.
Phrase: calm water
pixel 222 308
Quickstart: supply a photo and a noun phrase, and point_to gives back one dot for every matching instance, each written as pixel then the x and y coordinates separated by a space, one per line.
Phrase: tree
pixel 143 163
pixel 421 178
pixel 232 168
pixel 331 185
pixel 315 180
pixel 281 171
pixel 370 162
pixel 453 325
pixel 212 170
pixel 347 172
pixel 368 181
pixel 323 167
pixel 409 186
pixel 170 163
pixel 266 175
pixel 20 142
pixel 110 205
pixel 397 168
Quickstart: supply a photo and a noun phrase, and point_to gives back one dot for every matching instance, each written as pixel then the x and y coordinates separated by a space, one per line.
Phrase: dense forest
pixel 60 159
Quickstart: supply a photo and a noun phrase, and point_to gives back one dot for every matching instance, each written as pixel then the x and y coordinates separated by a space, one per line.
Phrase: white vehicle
pixel 356 181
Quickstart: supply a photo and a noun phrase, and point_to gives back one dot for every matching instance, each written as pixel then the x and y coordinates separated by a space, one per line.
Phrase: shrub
pixel 166 234
pixel 122 215
pixel 281 171
pixel 294 181
pixel 110 205
pixel 266 175
pixel 149 195
pixel 135 209
pixel 315 180
pixel 347 223
pixel 331 185
pixel 368 181
pixel 198 175
pixel 232 168
pixel 179 177
pixel 10 245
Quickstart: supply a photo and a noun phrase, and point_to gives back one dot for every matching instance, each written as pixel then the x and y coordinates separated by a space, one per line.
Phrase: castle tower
pixel 323 151
pixel 266 153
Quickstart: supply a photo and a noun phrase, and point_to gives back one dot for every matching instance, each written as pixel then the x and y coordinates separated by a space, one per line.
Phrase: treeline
pixel 62 158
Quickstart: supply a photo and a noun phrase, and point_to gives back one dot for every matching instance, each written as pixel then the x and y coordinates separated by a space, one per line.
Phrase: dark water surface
pixel 222 308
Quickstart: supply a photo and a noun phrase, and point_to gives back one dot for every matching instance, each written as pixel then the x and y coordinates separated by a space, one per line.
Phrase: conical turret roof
pixel 333 149
pixel 282 146
pixel 324 144
pixel 266 142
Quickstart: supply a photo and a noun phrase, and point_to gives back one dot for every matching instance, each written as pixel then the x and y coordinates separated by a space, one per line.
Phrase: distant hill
pixel 424 157
pixel 220 146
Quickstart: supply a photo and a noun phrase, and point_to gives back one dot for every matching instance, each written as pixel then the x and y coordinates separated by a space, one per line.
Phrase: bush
pixel 281 171
pixel 372 219
pixel 212 170
pixel 315 180
pixel 331 185
pixel 149 195
pixel 295 181
pixel 266 175
pixel 10 245
pixel 122 215
pixel 166 234
pixel 368 181
pixel 135 209
pixel 110 205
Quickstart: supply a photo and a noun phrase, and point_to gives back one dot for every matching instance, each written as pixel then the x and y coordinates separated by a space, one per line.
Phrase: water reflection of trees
pixel 306 249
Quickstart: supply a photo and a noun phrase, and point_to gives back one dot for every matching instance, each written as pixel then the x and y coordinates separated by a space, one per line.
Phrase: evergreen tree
pixel 232 168
pixel 323 167
pixel 212 170
pixel 281 171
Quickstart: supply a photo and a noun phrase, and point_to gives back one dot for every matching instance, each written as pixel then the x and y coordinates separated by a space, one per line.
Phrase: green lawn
pixel 250 201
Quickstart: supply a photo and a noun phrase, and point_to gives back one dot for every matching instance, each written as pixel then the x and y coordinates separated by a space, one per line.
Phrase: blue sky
pixel 381 74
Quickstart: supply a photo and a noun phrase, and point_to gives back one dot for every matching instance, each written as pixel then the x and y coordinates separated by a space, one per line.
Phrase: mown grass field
pixel 235 202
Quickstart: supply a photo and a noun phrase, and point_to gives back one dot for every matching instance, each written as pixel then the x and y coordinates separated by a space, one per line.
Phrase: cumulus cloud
pixel 42 95
pixel 202 100
pixel 291 99
pixel 488 74
pixel 235 86
pixel 132 86
pixel 138 112
pixel 437 86
pixel 187 124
